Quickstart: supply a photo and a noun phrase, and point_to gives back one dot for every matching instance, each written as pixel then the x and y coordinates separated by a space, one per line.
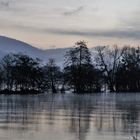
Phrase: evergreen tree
pixel 79 69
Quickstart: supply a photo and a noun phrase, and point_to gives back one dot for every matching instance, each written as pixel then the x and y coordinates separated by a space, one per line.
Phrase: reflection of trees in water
pixel 117 116
pixel 130 115
pixel 105 113
pixel 108 115
pixel 81 110
pixel 25 112
pixel 17 113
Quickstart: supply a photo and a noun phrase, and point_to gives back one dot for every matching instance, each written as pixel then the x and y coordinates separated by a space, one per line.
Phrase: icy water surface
pixel 70 117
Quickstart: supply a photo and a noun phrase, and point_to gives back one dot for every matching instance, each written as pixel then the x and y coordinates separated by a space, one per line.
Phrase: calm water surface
pixel 70 117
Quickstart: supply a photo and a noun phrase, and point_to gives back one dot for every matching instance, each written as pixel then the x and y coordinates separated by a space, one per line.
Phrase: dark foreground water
pixel 70 117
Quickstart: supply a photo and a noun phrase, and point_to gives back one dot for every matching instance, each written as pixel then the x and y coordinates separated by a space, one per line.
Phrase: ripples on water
pixel 70 117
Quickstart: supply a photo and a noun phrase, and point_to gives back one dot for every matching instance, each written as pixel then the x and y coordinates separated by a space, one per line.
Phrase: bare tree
pixel 108 60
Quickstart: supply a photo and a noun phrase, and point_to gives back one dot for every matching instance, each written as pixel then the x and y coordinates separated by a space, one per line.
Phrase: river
pixel 70 117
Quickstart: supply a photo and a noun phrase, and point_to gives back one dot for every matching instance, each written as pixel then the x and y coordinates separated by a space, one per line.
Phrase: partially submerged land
pixel 113 68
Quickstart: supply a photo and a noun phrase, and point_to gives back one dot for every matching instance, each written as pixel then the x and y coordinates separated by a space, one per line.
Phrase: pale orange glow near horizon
pixel 49 43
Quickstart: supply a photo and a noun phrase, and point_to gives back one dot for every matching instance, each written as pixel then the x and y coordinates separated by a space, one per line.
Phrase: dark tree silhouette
pixel 7 64
pixel 53 75
pixel 108 60
pixel 118 68
pixel 79 71
pixel 21 73
pixel 128 73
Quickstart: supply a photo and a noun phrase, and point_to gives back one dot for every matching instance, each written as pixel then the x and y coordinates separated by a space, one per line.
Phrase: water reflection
pixel 70 117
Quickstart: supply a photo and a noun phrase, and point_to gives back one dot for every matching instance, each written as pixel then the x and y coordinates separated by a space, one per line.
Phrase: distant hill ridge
pixel 10 45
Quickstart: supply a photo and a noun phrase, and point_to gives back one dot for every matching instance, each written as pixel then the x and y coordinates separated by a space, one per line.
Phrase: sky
pixel 61 23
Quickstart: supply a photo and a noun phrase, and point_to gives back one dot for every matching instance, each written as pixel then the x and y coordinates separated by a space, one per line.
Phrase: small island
pixel 110 69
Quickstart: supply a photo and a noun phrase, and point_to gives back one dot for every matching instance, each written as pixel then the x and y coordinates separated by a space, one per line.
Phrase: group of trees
pixel 128 72
pixel 20 73
pixel 120 68
pixel 113 68
pixel 79 72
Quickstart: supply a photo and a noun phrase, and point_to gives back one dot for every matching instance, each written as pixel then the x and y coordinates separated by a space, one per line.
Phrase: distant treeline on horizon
pixel 109 68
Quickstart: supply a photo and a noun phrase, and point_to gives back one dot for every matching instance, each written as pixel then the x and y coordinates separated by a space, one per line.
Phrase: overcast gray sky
pixel 60 23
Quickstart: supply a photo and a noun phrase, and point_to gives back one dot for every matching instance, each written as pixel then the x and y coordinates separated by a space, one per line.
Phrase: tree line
pixel 106 68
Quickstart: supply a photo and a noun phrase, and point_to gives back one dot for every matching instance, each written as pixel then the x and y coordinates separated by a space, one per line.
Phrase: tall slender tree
pixel 78 67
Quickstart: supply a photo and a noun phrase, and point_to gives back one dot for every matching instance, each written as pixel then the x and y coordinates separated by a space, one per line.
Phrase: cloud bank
pixel 133 34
